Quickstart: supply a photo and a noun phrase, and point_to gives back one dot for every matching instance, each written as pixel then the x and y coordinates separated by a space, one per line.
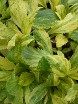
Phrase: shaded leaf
pixel 2 95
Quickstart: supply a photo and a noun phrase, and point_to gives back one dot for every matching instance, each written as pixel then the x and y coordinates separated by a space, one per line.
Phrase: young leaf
pixel 60 40
pixel 61 11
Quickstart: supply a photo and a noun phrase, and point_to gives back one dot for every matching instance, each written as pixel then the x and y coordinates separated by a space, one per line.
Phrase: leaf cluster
pixel 38 51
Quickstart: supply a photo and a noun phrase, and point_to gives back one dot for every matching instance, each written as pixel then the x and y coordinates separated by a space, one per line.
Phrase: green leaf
pixel 71 94
pixel 71 2
pixel 43 65
pixel 14 54
pixel 2 85
pixel 3 44
pixel 5 32
pixel 12 25
pixel 31 56
pixel 5 64
pixel 43 39
pixel 8 36
pixel 73 8
pixel 11 43
pixel 44 19
pixel 18 10
pixel 14 90
pixel 50 80
pixel 73 74
pixel 2 95
pixel 65 3
pixel 58 100
pixel 60 40
pixel 74 35
pixel 26 79
pixel 27 94
pixel 33 5
pixel 4 10
pixel 4 75
pixel 65 84
pixel 74 59
pixel 68 24
pixel 59 64
pixel 49 100
pixel 37 94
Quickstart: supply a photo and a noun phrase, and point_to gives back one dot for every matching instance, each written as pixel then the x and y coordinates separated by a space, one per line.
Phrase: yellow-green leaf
pixel 26 79
pixel 60 40
pixel 68 24
pixel 5 64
